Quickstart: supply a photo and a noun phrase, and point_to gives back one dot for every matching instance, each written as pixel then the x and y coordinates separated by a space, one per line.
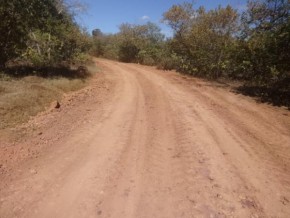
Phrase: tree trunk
pixel 37 45
pixel 49 49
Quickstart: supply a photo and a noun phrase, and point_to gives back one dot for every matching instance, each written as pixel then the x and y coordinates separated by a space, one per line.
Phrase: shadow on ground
pixel 80 72
pixel 277 95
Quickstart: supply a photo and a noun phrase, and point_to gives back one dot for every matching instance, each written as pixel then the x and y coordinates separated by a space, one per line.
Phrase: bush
pixel 128 52
pixel 51 38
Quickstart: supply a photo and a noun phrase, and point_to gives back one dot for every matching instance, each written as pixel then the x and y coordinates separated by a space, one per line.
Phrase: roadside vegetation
pixel 40 33
pixel 42 49
pixel 22 98
pixel 252 46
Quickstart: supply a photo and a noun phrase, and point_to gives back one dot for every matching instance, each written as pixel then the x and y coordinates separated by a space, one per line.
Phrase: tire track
pixel 247 193
pixel 159 148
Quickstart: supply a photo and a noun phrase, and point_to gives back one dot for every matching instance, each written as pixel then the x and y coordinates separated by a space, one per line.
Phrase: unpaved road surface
pixel 146 143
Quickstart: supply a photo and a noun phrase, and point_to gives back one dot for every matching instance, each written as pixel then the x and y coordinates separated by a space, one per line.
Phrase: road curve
pixel 159 145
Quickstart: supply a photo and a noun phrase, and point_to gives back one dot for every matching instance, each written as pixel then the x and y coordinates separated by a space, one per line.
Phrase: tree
pixel 128 51
pixel 202 38
pixel 179 18
pixel 133 43
pixel 39 30
pixel 267 33
pixel 16 18
pixel 98 46
pixel 97 33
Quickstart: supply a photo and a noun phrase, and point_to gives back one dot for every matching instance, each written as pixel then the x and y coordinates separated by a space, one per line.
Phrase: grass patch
pixel 24 96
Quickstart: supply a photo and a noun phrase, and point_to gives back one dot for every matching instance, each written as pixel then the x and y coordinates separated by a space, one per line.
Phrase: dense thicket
pixel 266 40
pixel 202 40
pixel 252 46
pixel 41 32
pixel 133 43
pixel 220 42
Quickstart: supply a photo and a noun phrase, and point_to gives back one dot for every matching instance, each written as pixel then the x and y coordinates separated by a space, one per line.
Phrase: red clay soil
pixel 139 142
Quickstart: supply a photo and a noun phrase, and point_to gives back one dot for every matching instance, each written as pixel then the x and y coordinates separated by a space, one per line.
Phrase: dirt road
pixel 147 143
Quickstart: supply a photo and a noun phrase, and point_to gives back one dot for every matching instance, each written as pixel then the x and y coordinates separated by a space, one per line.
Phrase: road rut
pixel 159 145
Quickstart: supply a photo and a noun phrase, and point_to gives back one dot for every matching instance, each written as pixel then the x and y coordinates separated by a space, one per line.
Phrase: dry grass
pixel 21 98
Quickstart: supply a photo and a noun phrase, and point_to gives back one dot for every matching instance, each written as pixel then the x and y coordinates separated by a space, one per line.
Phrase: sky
pixel 107 15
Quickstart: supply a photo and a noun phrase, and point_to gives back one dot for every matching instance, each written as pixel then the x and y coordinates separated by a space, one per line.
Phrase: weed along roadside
pixel 23 95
